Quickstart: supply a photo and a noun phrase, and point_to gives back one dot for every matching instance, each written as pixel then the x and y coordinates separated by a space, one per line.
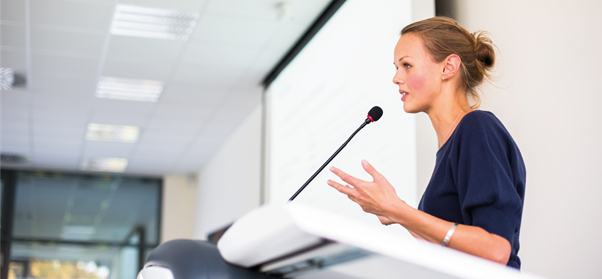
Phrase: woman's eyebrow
pixel 400 59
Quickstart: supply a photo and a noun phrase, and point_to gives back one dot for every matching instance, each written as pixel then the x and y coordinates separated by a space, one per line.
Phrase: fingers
pixel 345 177
pixel 341 188
pixel 370 169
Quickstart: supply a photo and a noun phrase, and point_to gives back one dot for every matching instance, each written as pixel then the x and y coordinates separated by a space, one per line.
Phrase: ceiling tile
pixel 152 50
pixel 59 116
pixel 63 84
pixel 14 98
pixel 185 129
pixel 95 15
pixel 61 40
pixel 205 141
pixel 14 113
pixel 241 104
pixel 124 107
pixel 56 151
pixel 53 102
pixel 14 60
pixel 56 130
pixel 159 70
pixel 266 10
pixel 164 139
pixel 203 96
pixel 66 136
pixel 152 162
pixel 10 127
pixel 190 74
pixel 65 64
pixel 13 10
pixel 233 30
pixel 220 56
pixel 119 119
pixel 182 5
pixel 9 148
pixel 15 138
pixel 154 151
pixel 183 112
pixel 13 36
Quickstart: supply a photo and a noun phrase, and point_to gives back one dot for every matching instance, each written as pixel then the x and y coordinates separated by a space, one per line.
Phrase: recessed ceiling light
pixel 104 164
pixel 153 23
pixel 7 77
pixel 129 89
pixel 112 133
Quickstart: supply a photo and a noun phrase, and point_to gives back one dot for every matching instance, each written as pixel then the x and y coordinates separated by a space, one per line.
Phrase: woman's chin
pixel 409 108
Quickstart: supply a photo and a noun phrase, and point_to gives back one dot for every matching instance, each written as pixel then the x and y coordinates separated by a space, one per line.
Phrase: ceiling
pixel 211 81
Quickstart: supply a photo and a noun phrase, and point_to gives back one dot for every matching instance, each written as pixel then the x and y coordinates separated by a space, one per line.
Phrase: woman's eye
pixel 407 66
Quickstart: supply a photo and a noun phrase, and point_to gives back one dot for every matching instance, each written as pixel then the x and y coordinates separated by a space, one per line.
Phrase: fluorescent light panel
pixel 104 164
pixel 7 78
pixel 117 133
pixel 153 23
pixel 129 89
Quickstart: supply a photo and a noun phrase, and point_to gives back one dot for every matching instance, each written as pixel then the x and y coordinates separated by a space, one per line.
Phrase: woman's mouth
pixel 404 95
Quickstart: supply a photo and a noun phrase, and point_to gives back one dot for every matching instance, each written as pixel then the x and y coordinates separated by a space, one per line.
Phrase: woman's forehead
pixel 409 45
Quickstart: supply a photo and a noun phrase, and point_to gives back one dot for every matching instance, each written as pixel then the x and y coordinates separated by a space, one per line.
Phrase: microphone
pixel 374 115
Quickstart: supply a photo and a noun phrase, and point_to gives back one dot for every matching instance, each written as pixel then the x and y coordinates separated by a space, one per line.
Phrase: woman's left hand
pixel 377 197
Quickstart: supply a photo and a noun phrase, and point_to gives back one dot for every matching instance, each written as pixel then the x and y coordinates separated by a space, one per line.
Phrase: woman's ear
pixel 451 66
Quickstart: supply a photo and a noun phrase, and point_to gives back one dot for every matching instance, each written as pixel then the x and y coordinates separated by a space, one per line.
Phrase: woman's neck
pixel 446 114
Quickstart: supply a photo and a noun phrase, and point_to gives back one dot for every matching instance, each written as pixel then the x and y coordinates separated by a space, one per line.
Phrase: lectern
pixel 299 241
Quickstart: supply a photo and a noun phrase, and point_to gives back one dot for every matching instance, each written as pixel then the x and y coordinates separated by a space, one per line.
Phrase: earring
pixel 443 78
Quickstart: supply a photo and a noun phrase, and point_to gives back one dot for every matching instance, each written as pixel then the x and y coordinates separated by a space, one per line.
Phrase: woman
pixel 474 200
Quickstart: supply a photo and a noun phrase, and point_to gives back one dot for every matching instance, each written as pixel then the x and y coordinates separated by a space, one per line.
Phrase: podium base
pixel 184 259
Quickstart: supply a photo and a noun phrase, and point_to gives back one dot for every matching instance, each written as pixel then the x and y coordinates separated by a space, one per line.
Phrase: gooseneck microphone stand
pixel 366 122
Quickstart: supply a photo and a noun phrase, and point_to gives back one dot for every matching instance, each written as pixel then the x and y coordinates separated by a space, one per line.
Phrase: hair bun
pixel 484 52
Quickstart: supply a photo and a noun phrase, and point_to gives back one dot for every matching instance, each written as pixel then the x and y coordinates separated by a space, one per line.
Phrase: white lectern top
pixel 298 241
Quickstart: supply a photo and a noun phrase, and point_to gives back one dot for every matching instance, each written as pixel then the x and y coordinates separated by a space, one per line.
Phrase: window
pixel 59 225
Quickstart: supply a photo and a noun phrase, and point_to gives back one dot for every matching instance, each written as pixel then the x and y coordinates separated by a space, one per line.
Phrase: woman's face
pixel 418 75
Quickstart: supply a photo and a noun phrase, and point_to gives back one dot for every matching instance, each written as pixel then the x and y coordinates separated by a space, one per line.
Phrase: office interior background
pixel 99 179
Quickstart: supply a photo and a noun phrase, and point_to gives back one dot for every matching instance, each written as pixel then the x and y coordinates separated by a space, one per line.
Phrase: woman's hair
pixel 442 36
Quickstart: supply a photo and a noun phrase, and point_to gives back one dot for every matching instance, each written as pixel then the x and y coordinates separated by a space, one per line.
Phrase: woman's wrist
pixel 397 211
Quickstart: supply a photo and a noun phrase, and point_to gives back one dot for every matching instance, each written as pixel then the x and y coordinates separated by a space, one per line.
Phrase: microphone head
pixel 375 113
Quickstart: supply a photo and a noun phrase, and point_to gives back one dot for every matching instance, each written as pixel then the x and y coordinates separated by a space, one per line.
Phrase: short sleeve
pixel 488 196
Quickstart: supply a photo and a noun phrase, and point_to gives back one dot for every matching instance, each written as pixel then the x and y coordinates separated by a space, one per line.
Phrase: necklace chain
pixel 452 126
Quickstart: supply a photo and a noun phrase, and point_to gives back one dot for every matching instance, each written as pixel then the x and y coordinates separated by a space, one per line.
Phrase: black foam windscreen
pixel 375 113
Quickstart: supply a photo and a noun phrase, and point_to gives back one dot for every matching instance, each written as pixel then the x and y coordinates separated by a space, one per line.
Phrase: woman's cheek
pixel 415 82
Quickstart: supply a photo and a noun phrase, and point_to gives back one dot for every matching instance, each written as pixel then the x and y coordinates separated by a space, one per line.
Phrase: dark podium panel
pixel 193 259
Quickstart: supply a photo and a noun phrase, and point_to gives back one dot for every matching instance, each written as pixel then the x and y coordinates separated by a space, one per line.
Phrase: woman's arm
pixel 378 197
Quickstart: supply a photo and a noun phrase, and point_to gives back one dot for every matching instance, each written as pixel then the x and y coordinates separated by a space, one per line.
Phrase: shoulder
pixel 480 122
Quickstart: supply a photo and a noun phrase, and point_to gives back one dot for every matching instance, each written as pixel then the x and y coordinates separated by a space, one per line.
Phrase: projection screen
pixel 324 94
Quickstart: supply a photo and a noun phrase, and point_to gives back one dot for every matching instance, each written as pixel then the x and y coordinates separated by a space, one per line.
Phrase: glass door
pixel 7 182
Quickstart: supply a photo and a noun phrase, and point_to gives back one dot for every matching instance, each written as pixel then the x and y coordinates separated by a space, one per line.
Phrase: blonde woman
pixel 474 200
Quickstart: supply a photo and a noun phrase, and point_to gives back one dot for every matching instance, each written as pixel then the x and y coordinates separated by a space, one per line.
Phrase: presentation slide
pixel 324 95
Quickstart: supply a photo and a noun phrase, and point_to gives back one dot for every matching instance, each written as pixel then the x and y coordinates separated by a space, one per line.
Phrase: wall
pixel 178 207
pixel 548 96
pixel 229 183
pixel 426 139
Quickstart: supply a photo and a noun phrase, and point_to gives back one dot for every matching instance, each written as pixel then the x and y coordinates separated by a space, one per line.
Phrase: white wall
pixel 178 207
pixel 548 95
pixel 229 184
pixel 426 139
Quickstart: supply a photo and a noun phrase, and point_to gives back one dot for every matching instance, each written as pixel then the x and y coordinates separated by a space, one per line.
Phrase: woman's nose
pixel 397 79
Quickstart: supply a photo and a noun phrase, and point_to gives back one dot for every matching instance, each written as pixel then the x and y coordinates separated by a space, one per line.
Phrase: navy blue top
pixel 479 179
